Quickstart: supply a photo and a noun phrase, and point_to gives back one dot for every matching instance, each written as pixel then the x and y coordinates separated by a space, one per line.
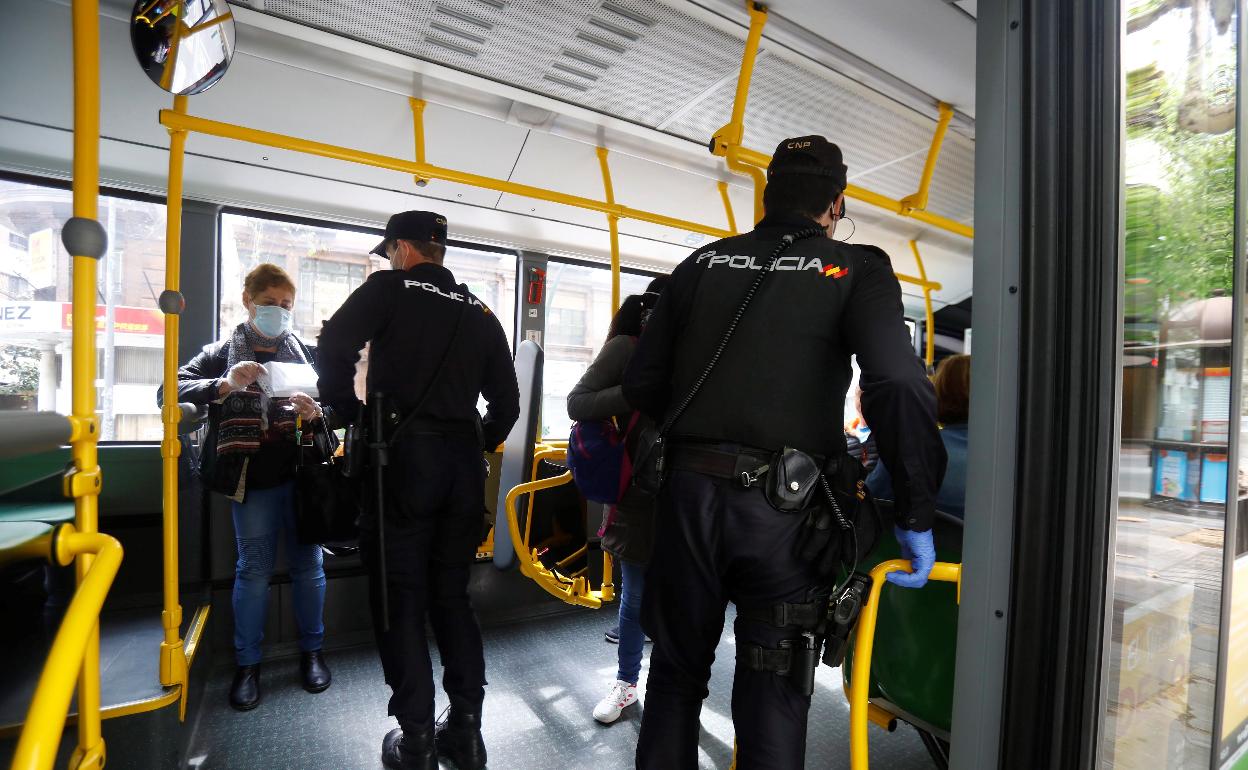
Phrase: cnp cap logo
pixel 797 145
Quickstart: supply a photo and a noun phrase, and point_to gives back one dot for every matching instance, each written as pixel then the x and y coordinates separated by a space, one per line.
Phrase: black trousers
pixel 435 487
pixel 719 542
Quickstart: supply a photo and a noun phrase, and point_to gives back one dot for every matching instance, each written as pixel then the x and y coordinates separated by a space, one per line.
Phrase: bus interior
pixel 1074 163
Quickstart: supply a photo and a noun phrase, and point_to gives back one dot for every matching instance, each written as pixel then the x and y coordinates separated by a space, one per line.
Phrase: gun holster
pixel 843 612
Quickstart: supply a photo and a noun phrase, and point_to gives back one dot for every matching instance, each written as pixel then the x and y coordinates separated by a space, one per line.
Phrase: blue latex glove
pixel 920 549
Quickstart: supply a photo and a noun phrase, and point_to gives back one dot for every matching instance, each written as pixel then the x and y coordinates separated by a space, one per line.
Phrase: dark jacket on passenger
pixel 782 379
pixel 600 396
pixel 198 383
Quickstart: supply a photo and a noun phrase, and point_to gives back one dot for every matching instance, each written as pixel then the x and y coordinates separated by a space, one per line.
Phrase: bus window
pixel 35 299
pixel 578 314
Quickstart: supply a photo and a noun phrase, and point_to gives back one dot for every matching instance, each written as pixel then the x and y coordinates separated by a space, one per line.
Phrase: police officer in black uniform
pixel 435 348
pixel 780 382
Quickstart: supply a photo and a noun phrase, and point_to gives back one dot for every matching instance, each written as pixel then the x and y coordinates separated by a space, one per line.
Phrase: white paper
pixel 285 380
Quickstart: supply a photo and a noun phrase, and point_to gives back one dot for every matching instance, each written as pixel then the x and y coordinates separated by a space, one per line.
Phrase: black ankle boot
pixel 459 739
pixel 315 673
pixel 245 691
pixel 409 750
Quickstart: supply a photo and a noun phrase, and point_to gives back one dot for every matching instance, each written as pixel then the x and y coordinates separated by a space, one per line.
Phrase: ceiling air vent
pixel 450 46
pixel 574 71
pixel 583 59
pixel 449 30
pixel 601 42
pixel 565 82
pixel 627 13
pixel 614 29
pixel 467 18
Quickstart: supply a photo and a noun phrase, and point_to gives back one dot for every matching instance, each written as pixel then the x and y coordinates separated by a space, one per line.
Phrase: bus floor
pixel 545 677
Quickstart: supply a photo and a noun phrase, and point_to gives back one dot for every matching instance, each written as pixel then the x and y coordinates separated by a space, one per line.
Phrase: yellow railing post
pixel 727 140
pixel 918 200
pixel 732 220
pixel 930 332
pixel 418 127
pixel 199 125
pixel 79 630
pixel 86 240
pixel 173 667
pixel 864 642
pixel 613 222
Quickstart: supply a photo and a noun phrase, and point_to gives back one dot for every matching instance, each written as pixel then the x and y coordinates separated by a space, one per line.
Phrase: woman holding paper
pixel 254 466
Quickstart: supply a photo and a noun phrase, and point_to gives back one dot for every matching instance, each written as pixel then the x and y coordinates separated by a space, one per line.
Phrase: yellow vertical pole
pixel 86 240
pixel 613 222
pixel 732 220
pixel 173 670
pixel 736 127
pixel 918 200
pixel 930 332
pixel 418 129
pixel 727 140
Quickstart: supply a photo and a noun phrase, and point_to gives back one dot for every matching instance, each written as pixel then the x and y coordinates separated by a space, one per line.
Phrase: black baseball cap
pixel 413 226
pixel 809 155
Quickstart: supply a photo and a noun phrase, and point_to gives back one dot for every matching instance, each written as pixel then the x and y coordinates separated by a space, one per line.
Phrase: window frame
pixel 110 191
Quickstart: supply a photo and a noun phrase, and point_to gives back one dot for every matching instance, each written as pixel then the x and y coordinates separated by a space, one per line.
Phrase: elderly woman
pixel 254 466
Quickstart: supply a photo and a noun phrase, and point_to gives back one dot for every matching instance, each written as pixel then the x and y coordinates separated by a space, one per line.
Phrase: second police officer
pixel 435 348
pixel 739 362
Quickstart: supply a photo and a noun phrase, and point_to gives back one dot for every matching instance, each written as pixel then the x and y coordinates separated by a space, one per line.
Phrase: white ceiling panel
pixel 927 43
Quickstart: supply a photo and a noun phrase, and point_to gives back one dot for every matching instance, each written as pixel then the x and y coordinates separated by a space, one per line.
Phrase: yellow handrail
pixel 613 224
pixel 199 125
pixel 930 331
pixel 571 590
pixel 45 720
pixel 173 666
pixel 418 123
pixel 918 201
pixel 864 641
pixel 732 219
pixel 727 140
pixel 174 120
pixel 82 483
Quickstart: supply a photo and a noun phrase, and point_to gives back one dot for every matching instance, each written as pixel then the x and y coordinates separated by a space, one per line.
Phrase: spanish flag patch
pixel 834 271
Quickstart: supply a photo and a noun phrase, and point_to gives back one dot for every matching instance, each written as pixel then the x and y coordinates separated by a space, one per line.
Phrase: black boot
pixel 459 738
pixel 409 750
pixel 315 673
pixel 245 691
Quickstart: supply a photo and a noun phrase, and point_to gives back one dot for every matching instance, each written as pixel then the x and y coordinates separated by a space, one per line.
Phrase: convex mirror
pixel 184 46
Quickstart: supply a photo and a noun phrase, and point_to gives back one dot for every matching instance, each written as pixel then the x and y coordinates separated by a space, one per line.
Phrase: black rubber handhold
pixel 84 238
pixel 171 302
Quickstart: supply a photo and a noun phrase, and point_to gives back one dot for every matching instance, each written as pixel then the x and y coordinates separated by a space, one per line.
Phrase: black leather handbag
pixel 327 500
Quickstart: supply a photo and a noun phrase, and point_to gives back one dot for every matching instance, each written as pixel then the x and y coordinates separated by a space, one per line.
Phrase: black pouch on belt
pixel 792 480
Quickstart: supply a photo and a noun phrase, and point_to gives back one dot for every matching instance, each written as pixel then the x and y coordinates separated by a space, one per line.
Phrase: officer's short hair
pixel 430 250
pixel 806 194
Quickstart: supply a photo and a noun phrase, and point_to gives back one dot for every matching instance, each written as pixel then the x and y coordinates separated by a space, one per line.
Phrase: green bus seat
pixel 48 513
pixel 916 633
pixel 16 538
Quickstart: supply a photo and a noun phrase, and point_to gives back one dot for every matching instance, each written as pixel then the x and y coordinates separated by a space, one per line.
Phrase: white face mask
pixel 396 253
pixel 272 320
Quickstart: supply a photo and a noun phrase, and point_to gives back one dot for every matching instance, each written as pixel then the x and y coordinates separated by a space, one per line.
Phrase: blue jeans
pixel 632 638
pixel 259 521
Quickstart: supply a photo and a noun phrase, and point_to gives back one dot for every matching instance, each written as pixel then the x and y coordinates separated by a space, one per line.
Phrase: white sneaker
pixel 621 696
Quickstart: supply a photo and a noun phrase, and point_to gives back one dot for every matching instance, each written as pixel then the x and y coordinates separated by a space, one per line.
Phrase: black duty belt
pixel 427 426
pixel 742 464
